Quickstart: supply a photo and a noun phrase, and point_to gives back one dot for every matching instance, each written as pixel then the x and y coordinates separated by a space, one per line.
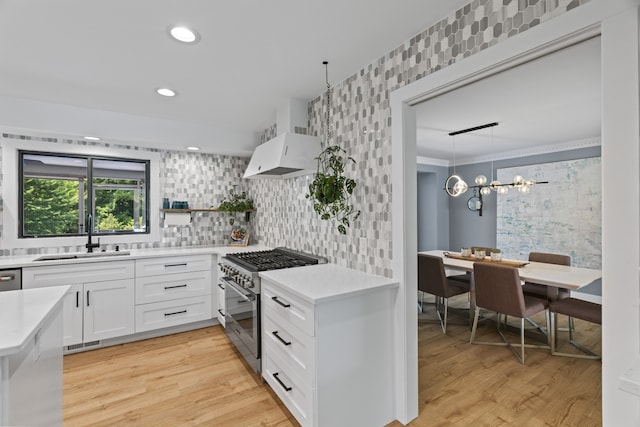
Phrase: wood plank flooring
pixel 197 379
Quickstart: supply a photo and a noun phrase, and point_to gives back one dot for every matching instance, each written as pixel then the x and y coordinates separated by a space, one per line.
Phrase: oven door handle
pixel 232 286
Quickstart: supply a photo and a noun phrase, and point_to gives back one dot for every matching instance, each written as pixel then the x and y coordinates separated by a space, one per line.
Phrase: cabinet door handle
pixel 77 299
pixel 280 382
pixel 280 302
pixel 175 286
pixel 175 312
pixel 275 334
pixel 220 286
pixel 88 298
pixel 221 312
pixel 180 264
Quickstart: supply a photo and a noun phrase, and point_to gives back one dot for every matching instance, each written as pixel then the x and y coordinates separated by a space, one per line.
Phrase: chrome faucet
pixel 90 246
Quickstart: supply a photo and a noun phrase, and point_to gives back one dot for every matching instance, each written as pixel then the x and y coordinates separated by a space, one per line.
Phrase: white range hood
pixel 289 154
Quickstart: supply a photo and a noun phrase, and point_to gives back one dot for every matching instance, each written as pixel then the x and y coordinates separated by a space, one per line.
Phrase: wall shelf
pixel 190 211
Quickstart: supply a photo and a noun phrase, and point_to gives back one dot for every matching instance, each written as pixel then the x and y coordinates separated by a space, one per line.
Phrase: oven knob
pixel 251 284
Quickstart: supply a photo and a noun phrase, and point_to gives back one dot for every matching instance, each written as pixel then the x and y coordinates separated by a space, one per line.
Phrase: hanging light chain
pixel 328 117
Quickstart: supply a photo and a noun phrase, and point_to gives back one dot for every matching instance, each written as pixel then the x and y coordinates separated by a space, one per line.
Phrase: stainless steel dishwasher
pixel 10 280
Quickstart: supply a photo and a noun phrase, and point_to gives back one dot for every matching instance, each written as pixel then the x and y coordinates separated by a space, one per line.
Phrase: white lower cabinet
pixel 329 361
pixel 93 310
pixel 220 302
pixel 171 313
pixel 172 291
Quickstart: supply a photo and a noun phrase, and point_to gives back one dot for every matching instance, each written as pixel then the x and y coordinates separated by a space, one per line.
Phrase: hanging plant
pixel 235 203
pixel 331 191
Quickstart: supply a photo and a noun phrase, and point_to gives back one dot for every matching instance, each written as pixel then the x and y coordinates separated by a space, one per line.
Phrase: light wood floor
pixel 197 379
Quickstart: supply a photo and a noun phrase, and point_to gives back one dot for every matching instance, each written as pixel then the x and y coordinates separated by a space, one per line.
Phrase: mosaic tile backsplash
pixel 361 123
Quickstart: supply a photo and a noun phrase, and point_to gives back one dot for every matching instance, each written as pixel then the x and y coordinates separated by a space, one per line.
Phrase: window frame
pixel 86 209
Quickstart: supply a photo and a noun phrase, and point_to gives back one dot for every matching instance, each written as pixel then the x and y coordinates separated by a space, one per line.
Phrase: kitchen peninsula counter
pixel 324 282
pixel 31 356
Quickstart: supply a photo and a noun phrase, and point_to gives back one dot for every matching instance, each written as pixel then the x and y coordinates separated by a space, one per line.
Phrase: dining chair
pixel 432 280
pixel 540 291
pixel 498 289
pixel 574 308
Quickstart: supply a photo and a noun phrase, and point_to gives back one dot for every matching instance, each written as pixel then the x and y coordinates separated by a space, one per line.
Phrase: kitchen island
pixel 327 344
pixel 31 356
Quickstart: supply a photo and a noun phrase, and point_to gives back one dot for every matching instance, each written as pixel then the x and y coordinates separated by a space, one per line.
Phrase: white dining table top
pixel 560 276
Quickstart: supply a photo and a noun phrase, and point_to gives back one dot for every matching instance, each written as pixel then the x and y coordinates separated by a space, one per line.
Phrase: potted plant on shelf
pixel 331 191
pixel 234 203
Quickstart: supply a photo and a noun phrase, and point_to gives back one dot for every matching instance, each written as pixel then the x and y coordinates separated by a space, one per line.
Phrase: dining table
pixel 553 275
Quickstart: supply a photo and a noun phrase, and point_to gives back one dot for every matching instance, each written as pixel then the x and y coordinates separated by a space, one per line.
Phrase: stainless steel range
pixel 241 281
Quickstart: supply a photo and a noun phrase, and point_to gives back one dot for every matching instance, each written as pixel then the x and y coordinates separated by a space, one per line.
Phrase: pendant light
pixel 455 185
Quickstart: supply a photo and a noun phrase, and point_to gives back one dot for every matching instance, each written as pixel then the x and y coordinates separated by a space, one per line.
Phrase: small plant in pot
pixel 234 203
pixel 331 191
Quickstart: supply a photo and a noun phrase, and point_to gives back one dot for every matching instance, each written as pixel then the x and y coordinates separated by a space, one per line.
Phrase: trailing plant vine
pixel 331 191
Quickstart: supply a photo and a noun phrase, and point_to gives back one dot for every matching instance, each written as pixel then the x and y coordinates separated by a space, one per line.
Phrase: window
pixel 65 195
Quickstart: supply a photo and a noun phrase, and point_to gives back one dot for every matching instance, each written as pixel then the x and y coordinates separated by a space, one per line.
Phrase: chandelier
pixel 455 186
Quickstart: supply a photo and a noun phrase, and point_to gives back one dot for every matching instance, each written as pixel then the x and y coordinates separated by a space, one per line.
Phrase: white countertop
pixel 23 313
pixel 29 260
pixel 323 282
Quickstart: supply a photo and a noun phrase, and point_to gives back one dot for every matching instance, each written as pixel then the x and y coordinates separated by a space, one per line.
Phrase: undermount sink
pixel 81 255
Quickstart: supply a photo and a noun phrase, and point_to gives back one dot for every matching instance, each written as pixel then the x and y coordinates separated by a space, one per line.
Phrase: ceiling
pixel 550 102
pixel 82 67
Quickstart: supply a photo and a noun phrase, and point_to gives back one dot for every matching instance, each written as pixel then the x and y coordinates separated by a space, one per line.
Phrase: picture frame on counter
pixel 239 237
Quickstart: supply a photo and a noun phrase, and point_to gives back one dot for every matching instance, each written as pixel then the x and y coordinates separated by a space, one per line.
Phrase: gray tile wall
pixel 361 123
pixel 203 180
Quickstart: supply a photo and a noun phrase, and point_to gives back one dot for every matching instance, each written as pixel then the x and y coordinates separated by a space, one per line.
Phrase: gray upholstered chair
pixel 432 280
pixel 540 291
pixel 574 308
pixel 498 289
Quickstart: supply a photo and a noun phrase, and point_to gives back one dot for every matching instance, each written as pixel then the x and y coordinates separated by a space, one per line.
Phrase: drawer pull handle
pixel 175 312
pixel 77 299
pixel 281 383
pixel 275 334
pixel 220 286
pixel 221 312
pixel 88 298
pixel 176 286
pixel 181 264
pixel 280 302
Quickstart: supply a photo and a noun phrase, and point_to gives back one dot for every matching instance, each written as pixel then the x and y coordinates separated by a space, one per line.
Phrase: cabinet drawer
pixel 170 313
pixel 56 275
pixel 290 308
pixel 174 264
pixel 220 308
pixel 172 286
pixel 296 397
pixel 293 346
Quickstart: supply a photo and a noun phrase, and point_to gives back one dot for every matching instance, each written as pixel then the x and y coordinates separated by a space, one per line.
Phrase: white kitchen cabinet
pixel 100 302
pixel 327 335
pixel 172 291
pixel 108 309
pixel 72 315
pixel 220 300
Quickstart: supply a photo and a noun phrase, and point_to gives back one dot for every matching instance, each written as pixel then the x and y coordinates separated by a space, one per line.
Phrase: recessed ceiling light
pixel 92 138
pixel 192 148
pixel 184 34
pixel 166 92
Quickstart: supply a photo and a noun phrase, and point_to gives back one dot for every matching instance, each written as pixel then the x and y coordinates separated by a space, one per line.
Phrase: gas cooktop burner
pixel 273 259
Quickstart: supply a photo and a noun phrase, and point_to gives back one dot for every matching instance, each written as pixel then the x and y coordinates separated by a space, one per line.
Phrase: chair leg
pixel 475 325
pixel 588 354
pixel 446 310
